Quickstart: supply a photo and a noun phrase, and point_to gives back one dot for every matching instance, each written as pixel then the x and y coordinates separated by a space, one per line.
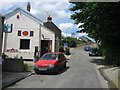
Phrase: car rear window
pixel 94 49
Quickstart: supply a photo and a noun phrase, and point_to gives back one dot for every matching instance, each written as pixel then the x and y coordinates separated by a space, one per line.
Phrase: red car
pixel 50 62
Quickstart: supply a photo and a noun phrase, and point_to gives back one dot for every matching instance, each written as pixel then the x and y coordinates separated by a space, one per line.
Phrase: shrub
pixel 67 51
pixel 61 49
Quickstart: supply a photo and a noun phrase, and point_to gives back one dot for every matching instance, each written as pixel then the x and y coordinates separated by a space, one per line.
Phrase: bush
pixel 73 44
pixel 112 57
pixel 61 49
pixel 67 51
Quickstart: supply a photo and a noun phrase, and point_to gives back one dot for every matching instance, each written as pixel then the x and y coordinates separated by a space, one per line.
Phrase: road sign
pixel 8 28
pixel 65 45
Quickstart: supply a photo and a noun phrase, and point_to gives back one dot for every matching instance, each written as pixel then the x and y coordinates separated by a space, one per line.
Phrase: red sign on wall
pixel 25 33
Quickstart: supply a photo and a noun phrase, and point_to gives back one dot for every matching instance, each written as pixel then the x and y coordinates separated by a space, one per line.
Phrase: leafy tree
pixel 102 22
pixel 72 42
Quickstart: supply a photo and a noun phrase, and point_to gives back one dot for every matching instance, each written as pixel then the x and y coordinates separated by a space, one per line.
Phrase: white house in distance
pixel 28 36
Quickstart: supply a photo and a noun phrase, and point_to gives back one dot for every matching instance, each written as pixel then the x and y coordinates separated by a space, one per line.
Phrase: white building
pixel 28 36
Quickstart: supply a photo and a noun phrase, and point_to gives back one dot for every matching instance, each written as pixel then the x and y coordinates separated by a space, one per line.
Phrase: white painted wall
pixel 48 35
pixel 24 23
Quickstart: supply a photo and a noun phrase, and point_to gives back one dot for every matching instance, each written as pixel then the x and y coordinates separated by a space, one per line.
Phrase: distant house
pixel 49 24
pixel 1 32
pixel 29 36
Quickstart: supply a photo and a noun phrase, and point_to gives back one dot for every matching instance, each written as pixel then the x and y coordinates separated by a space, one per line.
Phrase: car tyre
pixel 65 65
pixel 90 54
pixel 36 72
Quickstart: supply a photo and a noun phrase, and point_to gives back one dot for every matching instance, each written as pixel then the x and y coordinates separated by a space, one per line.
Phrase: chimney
pixel 28 7
pixel 49 19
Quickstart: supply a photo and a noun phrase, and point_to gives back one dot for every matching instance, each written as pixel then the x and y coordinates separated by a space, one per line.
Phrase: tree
pixel 72 42
pixel 73 34
pixel 101 21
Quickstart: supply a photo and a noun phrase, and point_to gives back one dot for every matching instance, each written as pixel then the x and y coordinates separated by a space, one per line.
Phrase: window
pixel 19 33
pixel 31 33
pixel 24 43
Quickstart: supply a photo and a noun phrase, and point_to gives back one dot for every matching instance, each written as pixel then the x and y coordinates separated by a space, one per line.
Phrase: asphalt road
pixel 80 73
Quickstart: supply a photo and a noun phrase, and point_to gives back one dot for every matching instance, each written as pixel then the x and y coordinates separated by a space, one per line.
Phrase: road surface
pixel 80 73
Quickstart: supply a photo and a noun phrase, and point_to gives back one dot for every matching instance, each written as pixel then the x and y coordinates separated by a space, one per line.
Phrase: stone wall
pixel 13 65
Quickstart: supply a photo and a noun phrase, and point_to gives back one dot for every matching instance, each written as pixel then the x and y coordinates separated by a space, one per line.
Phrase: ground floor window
pixel 24 43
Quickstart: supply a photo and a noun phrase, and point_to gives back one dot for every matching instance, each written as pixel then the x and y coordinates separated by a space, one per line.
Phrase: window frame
pixel 31 33
pixel 21 46
pixel 19 33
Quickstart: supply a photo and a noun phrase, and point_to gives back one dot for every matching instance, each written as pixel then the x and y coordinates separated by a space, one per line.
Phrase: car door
pixel 62 60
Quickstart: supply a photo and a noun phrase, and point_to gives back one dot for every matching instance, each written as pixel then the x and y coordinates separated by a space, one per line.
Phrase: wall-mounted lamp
pixel 43 36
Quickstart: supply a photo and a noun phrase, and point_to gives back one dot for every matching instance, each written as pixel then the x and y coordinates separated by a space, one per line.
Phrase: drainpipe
pixel 39 40
pixel 1 33
pixel 2 28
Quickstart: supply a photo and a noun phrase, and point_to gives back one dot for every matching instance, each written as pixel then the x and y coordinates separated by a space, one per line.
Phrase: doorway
pixel 46 46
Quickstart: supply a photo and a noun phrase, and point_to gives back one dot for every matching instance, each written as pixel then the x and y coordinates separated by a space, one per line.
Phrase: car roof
pixel 54 53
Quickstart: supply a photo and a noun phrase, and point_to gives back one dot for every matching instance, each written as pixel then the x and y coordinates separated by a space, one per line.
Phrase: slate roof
pixel 54 28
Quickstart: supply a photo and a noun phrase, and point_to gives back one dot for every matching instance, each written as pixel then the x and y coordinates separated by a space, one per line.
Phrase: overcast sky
pixel 58 10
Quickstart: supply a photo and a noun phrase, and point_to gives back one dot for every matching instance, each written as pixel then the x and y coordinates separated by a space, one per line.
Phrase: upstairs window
pixel 31 33
pixel 19 33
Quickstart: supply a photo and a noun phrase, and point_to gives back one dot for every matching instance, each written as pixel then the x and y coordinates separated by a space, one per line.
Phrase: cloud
pixel 79 25
pixel 77 34
pixel 69 14
pixel 82 34
pixel 54 9
pixel 34 0
pixel 61 14
pixel 40 8
pixel 66 26
pixel 57 9
pixel 66 34
pixel 63 34
pixel 5 6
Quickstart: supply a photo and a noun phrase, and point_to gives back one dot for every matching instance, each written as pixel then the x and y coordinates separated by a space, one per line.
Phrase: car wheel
pixel 37 72
pixel 90 54
pixel 65 64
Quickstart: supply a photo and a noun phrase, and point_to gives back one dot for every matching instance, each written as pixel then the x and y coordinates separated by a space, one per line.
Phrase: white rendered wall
pixel 26 24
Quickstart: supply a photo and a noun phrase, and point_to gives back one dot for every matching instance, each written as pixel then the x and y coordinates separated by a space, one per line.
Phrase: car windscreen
pixel 49 57
pixel 94 49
